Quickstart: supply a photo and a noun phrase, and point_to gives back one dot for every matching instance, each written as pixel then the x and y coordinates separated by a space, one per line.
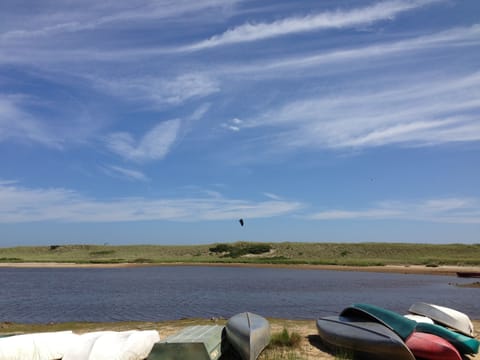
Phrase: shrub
pixel 240 249
pixel 286 339
pixel 220 248
pixel 102 252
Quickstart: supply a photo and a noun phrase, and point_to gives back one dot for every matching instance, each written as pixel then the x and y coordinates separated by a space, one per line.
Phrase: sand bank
pixel 402 269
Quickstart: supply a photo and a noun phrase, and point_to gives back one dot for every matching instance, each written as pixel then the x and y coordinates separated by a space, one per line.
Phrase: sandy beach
pixel 311 346
pixel 401 269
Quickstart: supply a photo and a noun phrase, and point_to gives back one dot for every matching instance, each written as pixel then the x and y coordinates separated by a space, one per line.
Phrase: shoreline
pixel 310 347
pixel 400 269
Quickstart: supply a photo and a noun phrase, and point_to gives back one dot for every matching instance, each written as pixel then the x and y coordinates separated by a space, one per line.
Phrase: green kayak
pixel 399 324
pixel 404 327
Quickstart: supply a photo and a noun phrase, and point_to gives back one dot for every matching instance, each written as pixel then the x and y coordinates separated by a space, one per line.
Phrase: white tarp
pixel 80 349
pixel 139 344
pixel 109 346
pixel 38 346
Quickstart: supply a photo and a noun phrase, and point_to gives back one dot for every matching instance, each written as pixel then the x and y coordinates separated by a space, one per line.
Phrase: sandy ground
pixel 310 347
pixel 403 269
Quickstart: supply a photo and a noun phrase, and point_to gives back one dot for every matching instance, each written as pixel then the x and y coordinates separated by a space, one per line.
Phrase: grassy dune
pixel 357 254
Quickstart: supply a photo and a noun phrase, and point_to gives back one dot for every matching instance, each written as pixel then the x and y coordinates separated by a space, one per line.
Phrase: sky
pixel 166 121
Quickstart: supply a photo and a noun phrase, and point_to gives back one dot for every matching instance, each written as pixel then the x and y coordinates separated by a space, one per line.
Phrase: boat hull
pixel 402 326
pixel 466 274
pixel 464 344
pixel 201 342
pixel 248 334
pixel 368 338
pixel 431 347
pixel 454 319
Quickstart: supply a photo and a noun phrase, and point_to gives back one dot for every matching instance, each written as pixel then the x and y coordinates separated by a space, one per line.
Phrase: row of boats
pixel 247 333
pixel 428 332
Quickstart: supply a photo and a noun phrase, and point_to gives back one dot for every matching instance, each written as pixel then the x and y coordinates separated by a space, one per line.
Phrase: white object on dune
pixel 37 346
pixel 80 349
pixel 445 316
pixel 419 318
pixel 139 344
pixel 109 346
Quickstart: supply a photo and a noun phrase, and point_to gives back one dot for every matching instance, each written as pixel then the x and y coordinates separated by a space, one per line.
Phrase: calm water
pixel 161 293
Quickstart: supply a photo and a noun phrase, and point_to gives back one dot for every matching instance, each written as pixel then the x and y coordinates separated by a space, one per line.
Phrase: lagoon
pixel 44 295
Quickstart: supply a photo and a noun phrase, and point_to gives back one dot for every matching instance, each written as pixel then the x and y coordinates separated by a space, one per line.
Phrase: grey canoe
pixel 248 334
pixel 369 339
pixel 454 319
pixel 201 342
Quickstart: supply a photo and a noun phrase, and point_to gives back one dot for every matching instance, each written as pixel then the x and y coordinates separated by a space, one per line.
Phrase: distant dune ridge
pixel 357 254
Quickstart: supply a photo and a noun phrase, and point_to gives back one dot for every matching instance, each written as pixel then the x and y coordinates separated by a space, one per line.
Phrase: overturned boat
pixel 369 339
pixel 248 334
pixel 451 318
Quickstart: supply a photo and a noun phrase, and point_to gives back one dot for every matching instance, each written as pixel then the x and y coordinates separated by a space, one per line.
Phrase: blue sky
pixel 166 121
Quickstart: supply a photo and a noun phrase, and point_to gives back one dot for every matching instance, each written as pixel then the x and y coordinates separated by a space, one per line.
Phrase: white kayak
pixel 38 346
pixel 451 318
pixel 419 318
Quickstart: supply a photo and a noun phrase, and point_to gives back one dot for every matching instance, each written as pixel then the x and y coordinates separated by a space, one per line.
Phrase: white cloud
pixel 122 172
pixel 65 17
pixel 442 210
pixel 19 204
pixel 453 38
pixel 233 124
pixel 431 111
pixel 272 196
pixel 160 91
pixel 385 10
pixel 154 145
pixel 19 124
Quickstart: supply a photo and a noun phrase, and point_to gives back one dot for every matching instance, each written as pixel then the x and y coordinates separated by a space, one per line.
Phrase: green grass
pixel 285 339
pixel 354 254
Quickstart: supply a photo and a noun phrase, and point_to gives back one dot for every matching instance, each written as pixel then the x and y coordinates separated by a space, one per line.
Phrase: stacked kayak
pixel 379 333
pixel 363 337
pixel 433 347
pixel 451 318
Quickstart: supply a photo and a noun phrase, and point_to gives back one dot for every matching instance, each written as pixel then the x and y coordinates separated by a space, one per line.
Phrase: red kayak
pixel 431 347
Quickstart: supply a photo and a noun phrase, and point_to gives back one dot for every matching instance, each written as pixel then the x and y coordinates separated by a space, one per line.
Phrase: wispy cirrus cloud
pixel 154 145
pixel 448 39
pixel 31 119
pixel 160 91
pixel 442 210
pixel 124 173
pixel 426 113
pixel 19 124
pixel 64 17
pixel 248 32
pixel 20 204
